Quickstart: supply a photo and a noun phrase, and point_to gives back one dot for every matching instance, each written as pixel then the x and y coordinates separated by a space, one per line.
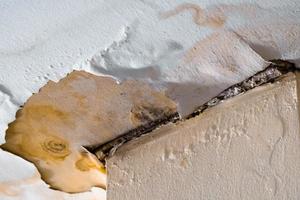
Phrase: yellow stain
pixel 82 109
pixel 86 163
pixel 30 138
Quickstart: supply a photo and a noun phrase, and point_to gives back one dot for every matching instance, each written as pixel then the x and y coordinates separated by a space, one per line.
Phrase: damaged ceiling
pixel 162 54
pixel 57 126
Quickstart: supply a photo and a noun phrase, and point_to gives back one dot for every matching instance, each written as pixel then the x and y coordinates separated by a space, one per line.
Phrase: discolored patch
pixel 145 113
pixel 55 147
pixel 201 17
pixel 86 164
pixel 80 110
pixel 30 138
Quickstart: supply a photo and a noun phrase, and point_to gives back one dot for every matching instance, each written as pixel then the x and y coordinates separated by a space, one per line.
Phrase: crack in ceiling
pixel 276 69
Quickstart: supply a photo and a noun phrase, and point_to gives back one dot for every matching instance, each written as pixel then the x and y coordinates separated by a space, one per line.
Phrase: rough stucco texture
pixel 245 148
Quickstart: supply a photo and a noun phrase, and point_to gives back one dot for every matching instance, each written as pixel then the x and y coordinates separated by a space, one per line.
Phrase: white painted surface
pixel 245 148
pixel 42 40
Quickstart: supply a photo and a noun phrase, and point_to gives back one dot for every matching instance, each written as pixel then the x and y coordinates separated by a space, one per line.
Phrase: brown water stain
pixel 28 137
pixel 213 48
pixel 85 163
pixel 213 17
pixel 80 110
pixel 199 48
pixel 200 16
pixel 144 113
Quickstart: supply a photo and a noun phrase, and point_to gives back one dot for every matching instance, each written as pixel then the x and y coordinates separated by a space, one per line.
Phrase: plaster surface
pixel 245 148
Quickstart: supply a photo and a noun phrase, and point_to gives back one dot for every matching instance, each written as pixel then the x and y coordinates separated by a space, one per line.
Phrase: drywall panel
pixel 245 148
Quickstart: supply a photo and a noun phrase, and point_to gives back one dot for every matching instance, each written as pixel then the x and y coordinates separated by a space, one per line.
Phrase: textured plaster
pixel 245 148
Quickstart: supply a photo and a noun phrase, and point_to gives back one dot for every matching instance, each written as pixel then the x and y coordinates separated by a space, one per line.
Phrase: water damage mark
pixel 201 17
pixel 215 16
pixel 80 110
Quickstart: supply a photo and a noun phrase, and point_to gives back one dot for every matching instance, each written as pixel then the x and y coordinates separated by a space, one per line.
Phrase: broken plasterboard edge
pixel 170 128
pixel 276 69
